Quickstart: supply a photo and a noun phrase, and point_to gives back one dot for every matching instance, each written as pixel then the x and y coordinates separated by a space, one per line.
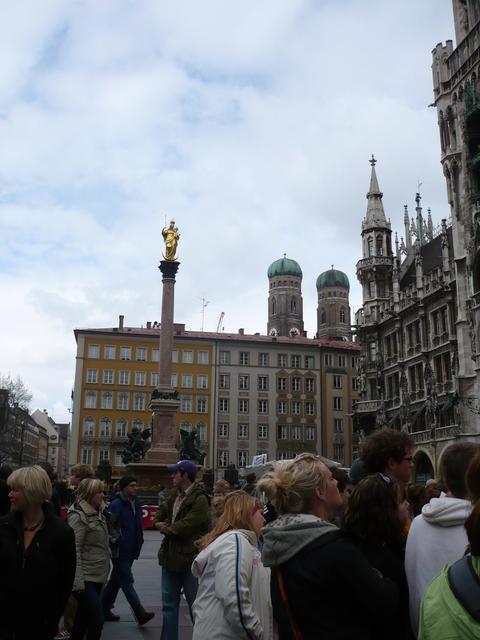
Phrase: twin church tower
pixel 285 303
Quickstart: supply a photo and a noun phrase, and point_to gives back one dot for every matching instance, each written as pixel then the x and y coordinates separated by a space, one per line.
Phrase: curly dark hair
pixel 371 515
pixel 382 445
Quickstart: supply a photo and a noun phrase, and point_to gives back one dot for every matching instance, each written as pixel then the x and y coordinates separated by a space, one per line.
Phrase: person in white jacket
pixel 437 536
pixel 233 598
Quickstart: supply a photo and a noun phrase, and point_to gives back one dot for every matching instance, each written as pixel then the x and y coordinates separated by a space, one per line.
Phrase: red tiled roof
pixel 237 337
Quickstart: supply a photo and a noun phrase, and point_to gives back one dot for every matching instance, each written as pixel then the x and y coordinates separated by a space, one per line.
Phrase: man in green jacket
pixel 182 518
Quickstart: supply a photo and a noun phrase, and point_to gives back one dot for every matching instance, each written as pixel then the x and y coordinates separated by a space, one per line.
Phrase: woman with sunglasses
pixel 313 563
pixel 375 520
pixel 233 586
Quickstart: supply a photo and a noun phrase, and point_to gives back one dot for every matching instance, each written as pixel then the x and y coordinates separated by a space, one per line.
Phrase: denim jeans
pixel 89 616
pixel 122 578
pixel 172 583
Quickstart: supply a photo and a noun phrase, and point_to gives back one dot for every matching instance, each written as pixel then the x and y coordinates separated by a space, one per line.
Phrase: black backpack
pixel 465 585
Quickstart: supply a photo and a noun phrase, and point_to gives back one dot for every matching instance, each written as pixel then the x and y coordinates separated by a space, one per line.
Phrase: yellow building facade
pixel 116 372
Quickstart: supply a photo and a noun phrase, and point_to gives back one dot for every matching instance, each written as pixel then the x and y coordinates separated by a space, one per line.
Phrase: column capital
pixel 169 269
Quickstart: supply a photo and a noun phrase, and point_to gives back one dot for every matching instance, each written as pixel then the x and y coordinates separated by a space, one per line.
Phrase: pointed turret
pixel 406 224
pixel 429 232
pixel 420 222
pixel 374 270
pixel 375 214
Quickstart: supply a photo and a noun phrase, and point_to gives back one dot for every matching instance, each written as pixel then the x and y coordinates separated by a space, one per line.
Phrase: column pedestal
pixel 153 469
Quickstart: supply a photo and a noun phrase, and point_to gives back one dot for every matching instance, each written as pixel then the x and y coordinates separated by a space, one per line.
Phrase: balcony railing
pixel 441 433
pixel 459 60
pixel 366 406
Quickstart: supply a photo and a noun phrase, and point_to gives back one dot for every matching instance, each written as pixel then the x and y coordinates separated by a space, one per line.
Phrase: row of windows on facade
pixel 123 400
pixel 223 430
pixel 375 246
pixel 295 407
pixel 342 316
pixel 202 357
pixel 293 305
pixel 104 455
pixel 442 367
pixel 333 294
pixel 139 401
pixel 142 354
pixel 283 383
pixel 106 427
pixel 140 378
pixel 283 283
pixel 438 327
pixel 121 427
pixel 187 380
pixel 282 360
pixel 339 361
pixel 284 432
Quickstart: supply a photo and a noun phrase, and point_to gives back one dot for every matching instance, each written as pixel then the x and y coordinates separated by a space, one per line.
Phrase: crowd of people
pixel 306 551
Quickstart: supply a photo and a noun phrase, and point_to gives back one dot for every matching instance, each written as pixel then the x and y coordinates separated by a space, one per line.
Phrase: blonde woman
pixel 37 559
pixel 93 558
pixel 313 563
pixel 233 598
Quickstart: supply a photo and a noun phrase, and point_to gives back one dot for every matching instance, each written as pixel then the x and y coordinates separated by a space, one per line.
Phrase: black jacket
pixel 389 560
pixel 333 592
pixel 35 584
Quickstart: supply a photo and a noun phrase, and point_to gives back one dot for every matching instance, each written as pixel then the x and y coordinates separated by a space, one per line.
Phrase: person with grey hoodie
pixel 312 561
pixel 437 536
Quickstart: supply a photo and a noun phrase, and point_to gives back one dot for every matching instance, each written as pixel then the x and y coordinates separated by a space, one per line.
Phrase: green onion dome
pixel 332 278
pixel 284 267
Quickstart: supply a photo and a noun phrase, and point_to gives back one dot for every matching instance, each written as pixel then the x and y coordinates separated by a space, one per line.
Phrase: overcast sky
pixel 250 123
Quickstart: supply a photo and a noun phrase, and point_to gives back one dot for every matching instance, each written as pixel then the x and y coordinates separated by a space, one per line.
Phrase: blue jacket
pixel 130 523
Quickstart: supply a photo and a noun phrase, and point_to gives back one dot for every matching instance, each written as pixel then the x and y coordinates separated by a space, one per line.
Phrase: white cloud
pixel 251 124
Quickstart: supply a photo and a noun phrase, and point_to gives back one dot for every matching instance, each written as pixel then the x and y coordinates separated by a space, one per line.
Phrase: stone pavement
pixel 147 573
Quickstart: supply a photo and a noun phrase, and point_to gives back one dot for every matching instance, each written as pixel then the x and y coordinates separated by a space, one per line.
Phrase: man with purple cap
pixel 182 518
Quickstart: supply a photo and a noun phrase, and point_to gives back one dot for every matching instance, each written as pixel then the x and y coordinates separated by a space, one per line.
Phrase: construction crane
pixel 220 319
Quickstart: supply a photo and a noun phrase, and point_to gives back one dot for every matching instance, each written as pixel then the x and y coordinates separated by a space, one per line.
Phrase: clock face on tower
pixel 294 332
pixel 273 332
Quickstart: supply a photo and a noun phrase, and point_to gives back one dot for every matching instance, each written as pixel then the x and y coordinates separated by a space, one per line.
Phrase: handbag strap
pixel 465 585
pixel 296 633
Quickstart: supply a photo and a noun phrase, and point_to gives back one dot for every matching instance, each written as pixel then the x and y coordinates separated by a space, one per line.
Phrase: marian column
pixel 164 402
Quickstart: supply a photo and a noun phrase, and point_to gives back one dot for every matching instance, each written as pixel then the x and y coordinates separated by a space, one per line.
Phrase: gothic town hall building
pixel 420 363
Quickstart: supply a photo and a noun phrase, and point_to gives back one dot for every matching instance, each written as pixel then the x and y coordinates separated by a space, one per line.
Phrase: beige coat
pixel 92 543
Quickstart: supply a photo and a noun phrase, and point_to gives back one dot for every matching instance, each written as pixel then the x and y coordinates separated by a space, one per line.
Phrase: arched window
pixel 89 427
pixel 201 431
pixel 274 306
pixel 379 247
pixel 186 426
pixel 342 315
pixel 370 246
pixel 121 429
pixel 323 317
pixel 105 428
pixel 293 305
pixel 138 424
